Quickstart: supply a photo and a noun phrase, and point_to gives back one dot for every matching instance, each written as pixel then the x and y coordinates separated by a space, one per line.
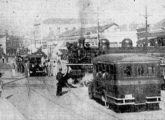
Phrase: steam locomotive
pixel 80 54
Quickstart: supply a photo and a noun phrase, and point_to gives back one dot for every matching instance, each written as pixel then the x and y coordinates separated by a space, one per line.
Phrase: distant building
pixel 61 25
pixel 111 32
pixel 13 43
pixel 3 42
pixel 155 35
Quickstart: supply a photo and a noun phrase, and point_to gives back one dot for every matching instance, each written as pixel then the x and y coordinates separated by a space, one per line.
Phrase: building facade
pixel 3 42
pixel 13 43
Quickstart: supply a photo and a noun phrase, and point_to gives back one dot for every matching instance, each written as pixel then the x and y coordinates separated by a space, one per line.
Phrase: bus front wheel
pixel 90 91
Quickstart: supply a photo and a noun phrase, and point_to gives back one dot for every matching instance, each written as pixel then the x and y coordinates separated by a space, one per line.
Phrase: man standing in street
pixel 49 67
pixel 27 68
pixel 59 78
pixel 54 72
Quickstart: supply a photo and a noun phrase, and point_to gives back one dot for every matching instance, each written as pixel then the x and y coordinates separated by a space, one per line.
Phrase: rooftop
pixel 87 31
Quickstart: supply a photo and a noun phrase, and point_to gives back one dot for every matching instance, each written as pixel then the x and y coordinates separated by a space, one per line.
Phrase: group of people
pixel 55 68
pixel 52 68
pixel 49 68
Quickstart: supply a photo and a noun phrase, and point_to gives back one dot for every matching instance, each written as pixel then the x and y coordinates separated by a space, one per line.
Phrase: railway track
pixel 97 109
pixel 49 94
pixel 52 101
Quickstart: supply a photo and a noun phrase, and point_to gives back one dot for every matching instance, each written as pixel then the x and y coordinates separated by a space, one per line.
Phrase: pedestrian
pixel 3 59
pixel 44 67
pixel 42 61
pixel 27 68
pixel 58 66
pixel 59 78
pixel 54 68
pixel 15 64
pixel 49 67
pixel 13 69
pixel 1 87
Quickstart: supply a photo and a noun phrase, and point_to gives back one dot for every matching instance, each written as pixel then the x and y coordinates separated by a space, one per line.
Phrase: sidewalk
pixel 8 111
pixel 8 75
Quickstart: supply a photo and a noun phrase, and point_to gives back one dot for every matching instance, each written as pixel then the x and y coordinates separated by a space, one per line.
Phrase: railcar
pixel 35 64
pixel 123 80
pixel 35 67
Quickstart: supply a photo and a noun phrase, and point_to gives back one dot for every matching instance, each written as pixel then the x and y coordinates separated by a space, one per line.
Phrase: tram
pixel 35 66
pixel 123 80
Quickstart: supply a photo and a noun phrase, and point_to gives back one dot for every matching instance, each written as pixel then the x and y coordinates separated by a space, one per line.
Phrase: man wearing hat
pixel 59 78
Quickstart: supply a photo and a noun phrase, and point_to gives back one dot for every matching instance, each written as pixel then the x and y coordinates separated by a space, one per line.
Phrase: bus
pixel 122 80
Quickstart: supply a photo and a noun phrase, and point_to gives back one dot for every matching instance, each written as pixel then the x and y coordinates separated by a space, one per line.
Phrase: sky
pixel 20 15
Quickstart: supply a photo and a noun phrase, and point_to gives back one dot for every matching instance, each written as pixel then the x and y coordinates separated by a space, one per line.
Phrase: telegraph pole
pixel 146 24
pixel 98 24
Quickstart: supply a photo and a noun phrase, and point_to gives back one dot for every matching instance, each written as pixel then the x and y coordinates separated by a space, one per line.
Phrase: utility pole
pixel 146 18
pixel 98 26
pixel 146 24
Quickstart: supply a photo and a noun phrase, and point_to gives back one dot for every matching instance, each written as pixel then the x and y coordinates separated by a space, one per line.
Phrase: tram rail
pixel 77 97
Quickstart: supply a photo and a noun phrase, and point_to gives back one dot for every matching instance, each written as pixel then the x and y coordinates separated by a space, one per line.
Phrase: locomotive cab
pixel 104 44
pixel 127 43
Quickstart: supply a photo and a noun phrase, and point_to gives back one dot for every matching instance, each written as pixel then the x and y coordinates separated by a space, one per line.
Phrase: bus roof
pixel 125 58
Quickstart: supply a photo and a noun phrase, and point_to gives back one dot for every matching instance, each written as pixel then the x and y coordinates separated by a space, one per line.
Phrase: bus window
pixel 127 71
pixel 95 67
pixel 99 67
pixel 151 70
pixel 103 67
pixel 106 76
pixel 108 68
pixel 112 69
pixel 140 70
pixel 99 75
pixel 112 72
pixel 106 72
pixel 99 71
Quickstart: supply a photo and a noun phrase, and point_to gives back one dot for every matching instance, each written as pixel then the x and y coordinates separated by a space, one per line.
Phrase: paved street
pixel 36 100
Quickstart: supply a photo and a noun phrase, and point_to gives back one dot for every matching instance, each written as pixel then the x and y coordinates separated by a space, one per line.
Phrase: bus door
pixel 139 85
pixel 99 73
pixel 109 78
